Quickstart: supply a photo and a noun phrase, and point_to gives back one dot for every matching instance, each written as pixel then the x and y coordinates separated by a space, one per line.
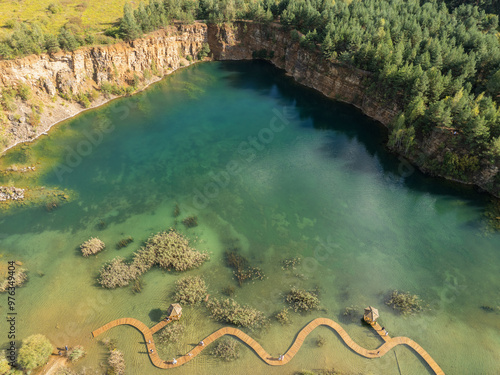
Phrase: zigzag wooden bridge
pixel 257 348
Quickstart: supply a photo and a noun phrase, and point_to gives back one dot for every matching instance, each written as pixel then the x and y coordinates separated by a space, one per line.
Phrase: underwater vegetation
pixel 171 334
pixel 302 300
pixel 241 267
pixel 352 313
pixel 168 250
pixel 492 213
pixel 190 290
pixel 190 221
pixel 229 311
pixel 124 242
pixel 405 302
pixel 283 316
pixel 92 246
pixel 227 349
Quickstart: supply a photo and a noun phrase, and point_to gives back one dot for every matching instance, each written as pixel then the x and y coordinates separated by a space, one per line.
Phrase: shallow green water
pixel 279 171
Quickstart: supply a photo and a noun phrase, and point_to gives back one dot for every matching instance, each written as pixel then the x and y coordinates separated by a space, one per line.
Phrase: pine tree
pixel 142 18
pixel 129 29
pixel 51 43
pixel 67 40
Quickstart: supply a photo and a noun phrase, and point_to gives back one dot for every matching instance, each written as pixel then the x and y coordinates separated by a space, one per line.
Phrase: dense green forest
pixel 441 67
pixel 490 6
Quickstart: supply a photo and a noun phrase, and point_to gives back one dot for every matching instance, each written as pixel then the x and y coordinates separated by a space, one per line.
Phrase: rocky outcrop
pixel 91 66
pixel 11 193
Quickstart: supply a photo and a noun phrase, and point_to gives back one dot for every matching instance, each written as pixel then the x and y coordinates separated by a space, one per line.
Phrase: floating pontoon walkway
pixel 259 350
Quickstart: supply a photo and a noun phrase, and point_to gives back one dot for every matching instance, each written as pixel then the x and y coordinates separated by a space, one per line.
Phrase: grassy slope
pixel 96 14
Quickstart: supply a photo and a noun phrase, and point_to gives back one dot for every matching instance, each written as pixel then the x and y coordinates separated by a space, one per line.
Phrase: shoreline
pixel 101 102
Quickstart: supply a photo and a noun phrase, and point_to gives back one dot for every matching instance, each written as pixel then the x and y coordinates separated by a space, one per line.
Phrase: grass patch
pixel 96 15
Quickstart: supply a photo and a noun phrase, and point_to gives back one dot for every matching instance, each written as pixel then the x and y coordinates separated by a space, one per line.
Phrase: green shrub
pixel 154 68
pixel 34 117
pixel 54 8
pixel 92 95
pixel 117 273
pixel 66 96
pixel 136 80
pixel 406 303
pixel 10 24
pixel 229 311
pixel 7 100
pixel 116 363
pixel 34 352
pixel 84 100
pixel 169 250
pixel 171 334
pixel 459 166
pixel 262 54
pixel 24 91
pixel 68 41
pixel 76 353
pixel 4 364
pixel 204 51
pixel 106 88
pixel 113 32
pixel 227 349
pixel 128 90
pixel 302 300
pixel 190 290
pixel 90 39
pixel 283 317
pixel 109 88
pixel 92 246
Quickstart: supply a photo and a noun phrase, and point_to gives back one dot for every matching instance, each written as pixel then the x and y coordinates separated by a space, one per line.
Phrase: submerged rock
pixel 487 308
pixel 11 193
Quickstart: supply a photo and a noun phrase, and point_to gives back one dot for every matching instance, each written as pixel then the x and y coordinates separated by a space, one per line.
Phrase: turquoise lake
pixel 278 171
